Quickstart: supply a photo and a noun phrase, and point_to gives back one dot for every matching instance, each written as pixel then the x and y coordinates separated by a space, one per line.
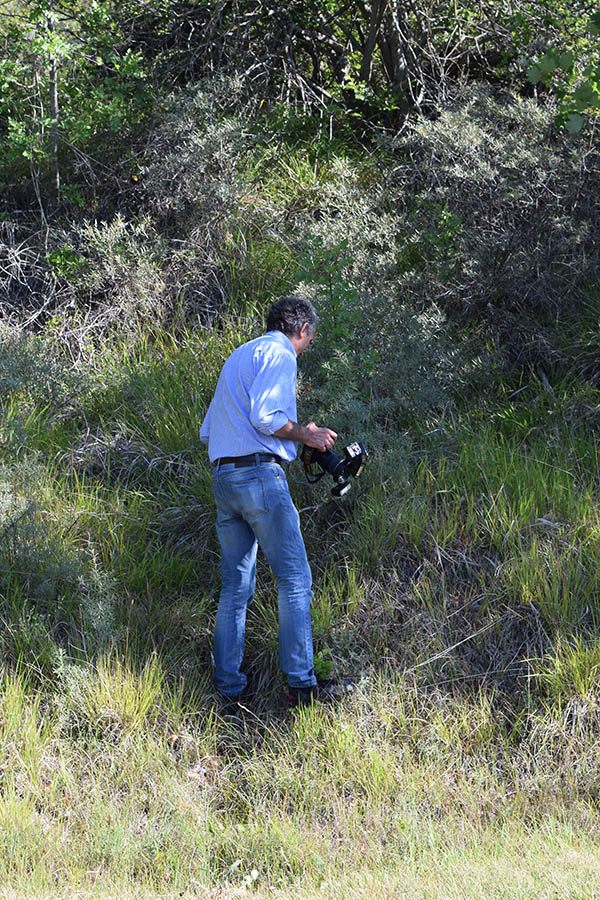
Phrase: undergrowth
pixel 457 582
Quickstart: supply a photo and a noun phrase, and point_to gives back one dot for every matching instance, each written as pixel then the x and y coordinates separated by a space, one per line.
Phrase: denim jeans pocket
pixel 242 493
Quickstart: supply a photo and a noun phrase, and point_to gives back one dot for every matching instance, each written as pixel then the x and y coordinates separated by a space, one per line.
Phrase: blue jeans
pixel 254 507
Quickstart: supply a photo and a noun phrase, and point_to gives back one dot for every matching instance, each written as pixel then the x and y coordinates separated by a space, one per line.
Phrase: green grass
pixel 459 584
pixel 571 671
pixel 121 793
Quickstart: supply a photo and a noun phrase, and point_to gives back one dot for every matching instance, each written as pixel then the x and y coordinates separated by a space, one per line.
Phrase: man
pixel 251 430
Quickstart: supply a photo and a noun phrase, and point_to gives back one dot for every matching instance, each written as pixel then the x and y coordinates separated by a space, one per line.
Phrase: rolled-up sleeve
pixel 273 392
pixel 205 427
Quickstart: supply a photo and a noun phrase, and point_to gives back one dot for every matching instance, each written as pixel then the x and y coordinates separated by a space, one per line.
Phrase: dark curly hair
pixel 288 314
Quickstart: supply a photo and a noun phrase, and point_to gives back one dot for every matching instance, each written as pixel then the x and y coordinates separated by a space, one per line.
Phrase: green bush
pixel 503 227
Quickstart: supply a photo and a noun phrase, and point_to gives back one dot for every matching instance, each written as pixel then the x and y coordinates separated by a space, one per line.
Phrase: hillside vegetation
pixel 429 176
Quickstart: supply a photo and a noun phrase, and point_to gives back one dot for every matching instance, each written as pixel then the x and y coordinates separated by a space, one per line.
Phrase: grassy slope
pixel 462 767
pixel 459 583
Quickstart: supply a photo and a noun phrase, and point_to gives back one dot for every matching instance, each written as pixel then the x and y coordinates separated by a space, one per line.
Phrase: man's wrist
pixel 292 432
pixel 313 435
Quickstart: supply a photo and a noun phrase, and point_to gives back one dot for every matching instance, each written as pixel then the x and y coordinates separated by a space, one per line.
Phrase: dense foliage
pixel 78 80
pixel 168 169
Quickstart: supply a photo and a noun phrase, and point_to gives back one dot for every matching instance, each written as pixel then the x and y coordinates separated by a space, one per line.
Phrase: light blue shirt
pixel 255 396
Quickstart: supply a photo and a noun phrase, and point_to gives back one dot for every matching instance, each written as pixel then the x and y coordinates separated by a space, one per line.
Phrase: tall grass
pixel 457 582
pixel 471 524
pixel 450 585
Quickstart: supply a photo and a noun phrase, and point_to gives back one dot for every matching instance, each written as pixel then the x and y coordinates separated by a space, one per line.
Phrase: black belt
pixel 250 460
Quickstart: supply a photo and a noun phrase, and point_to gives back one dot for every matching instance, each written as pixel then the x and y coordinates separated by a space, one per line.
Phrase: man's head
pixel 296 318
pixel 289 314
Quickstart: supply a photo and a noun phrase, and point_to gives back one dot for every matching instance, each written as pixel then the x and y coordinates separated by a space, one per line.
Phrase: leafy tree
pixel 383 56
pixel 70 83
pixel 574 79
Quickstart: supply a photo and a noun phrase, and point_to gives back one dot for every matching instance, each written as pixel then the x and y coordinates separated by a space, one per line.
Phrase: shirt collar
pixel 282 339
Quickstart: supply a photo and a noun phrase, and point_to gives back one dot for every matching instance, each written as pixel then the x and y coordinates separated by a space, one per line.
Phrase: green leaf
pixel 574 123
pixel 549 62
pixel 567 60
pixel 586 95
pixel 595 23
pixel 534 74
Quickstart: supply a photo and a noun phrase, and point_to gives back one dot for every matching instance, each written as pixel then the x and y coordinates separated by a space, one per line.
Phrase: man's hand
pixel 320 438
pixel 313 435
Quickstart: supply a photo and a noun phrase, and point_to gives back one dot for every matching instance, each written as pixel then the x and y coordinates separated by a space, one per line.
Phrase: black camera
pixel 341 468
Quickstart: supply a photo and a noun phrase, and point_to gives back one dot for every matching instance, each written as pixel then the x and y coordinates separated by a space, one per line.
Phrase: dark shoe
pixel 331 690
pixel 229 704
pixel 231 709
